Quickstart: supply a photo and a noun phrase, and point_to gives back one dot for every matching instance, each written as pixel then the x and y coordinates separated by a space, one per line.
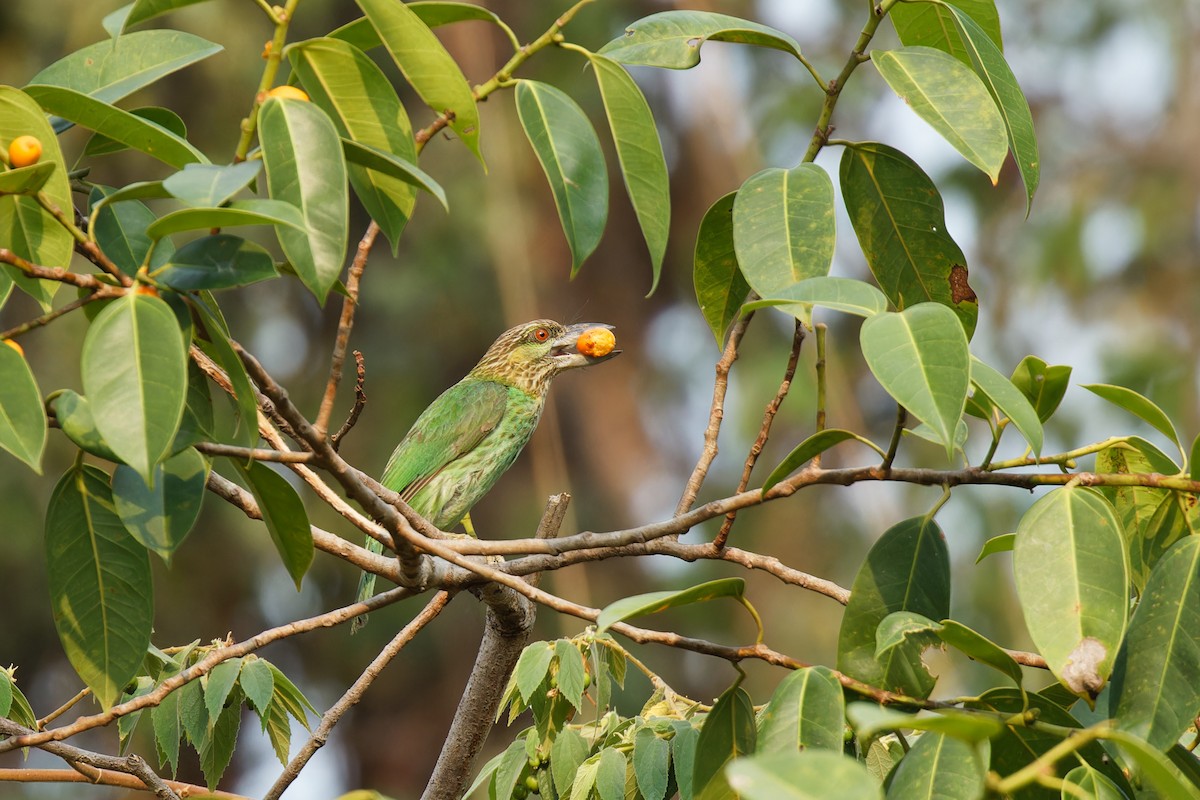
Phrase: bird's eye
pixel 541 334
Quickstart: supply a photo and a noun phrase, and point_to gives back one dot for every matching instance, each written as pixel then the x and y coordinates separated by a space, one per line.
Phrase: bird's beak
pixel 565 352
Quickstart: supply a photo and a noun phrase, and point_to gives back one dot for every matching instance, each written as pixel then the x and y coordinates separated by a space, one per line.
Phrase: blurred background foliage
pixel 1101 276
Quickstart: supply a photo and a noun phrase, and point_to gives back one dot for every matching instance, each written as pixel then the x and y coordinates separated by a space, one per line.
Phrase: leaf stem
pixel 273 55
pixel 1066 459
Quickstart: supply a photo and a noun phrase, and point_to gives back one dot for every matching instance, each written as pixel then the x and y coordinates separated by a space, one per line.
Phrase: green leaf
pixel 869 720
pixel 566 754
pixel 903 628
pixel 168 729
pixel 1011 402
pixel 810 448
pixel 673 39
pixel 101 145
pixel 806 711
pixel 26 180
pixel 683 755
pixel 729 732
pixel 1139 406
pixel 222 351
pixel 570 672
pixel 532 667
pixel 811 775
pixel 1152 764
pixel 932 24
pixel 305 167
pixel 160 514
pixel 216 262
pixel 508 771
pixel 610 775
pixel 569 152
pixel 258 683
pixel 640 154
pixel 113 69
pixel 952 99
pixel 651 764
pixel 218 684
pixel 140 11
pixel 1093 783
pixel 284 515
pixel 122 229
pixel 989 64
pixel 385 163
pixel 22 419
pixel 979 648
pixel 1044 385
pixel 142 190
pixel 117 124
pixel 900 221
pixel 997 544
pixel 74 415
pixel 217 751
pixel 840 294
pixel 135 376
pixel 25 228
pixel 364 107
pixel 921 358
pixel 242 212
pixel 290 698
pixel 653 602
pixel 1072 579
pixel 210 185
pixel 6 696
pixel 1156 687
pixel 720 287
pixel 100 584
pixel 908 569
pixel 939 766
pixel 427 67
pixel 783 227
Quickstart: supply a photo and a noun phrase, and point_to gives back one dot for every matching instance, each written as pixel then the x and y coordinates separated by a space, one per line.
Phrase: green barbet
pixel 465 440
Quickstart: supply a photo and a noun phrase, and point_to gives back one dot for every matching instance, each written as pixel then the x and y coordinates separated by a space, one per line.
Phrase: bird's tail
pixel 366 586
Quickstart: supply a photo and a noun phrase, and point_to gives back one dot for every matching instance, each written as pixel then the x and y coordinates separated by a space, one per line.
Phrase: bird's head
pixel 529 355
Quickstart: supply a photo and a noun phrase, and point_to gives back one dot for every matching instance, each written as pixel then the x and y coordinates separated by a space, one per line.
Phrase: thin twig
pixel 105 777
pixel 360 401
pixel 354 694
pixel 764 430
pixel 253 453
pixel 821 329
pixel 64 708
pixel 57 274
pixel 345 324
pixel 48 317
pixel 715 415
pixel 897 432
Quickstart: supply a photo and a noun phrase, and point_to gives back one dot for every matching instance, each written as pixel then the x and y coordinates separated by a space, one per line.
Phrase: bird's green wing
pixel 452 425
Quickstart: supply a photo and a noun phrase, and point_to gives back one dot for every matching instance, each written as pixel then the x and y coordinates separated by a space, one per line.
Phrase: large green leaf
pixel 210 185
pixel 433 13
pixel 900 221
pixel 384 163
pixel 921 358
pixel 810 448
pixel 100 584
pixel 426 65
pixel 952 99
pixel 811 775
pixel 1153 766
pixel 134 367
pixel 728 733
pixel 939 766
pixel 805 711
pixel 101 145
pixel 783 227
pixel 1156 685
pixel 305 167
pixel 640 154
pixel 1137 405
pixel 363 105
pixel 720 287
pixel 1010 401
pixel 908 569
pixel 870 720
pixel 1042 384
pixel 141 11
pixel 989 64
pixel 1072 579
pixel 1093 783
pixel 284 515
pixel 610 774
pixel 216 262
pixel 653 602
pixel 117 124
pixel 161 513
pixel 673 39
pixel 22 419
pixel 25 228
pixel 651 764
pixel 240 212
pixel 569 152
pixel 112 69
